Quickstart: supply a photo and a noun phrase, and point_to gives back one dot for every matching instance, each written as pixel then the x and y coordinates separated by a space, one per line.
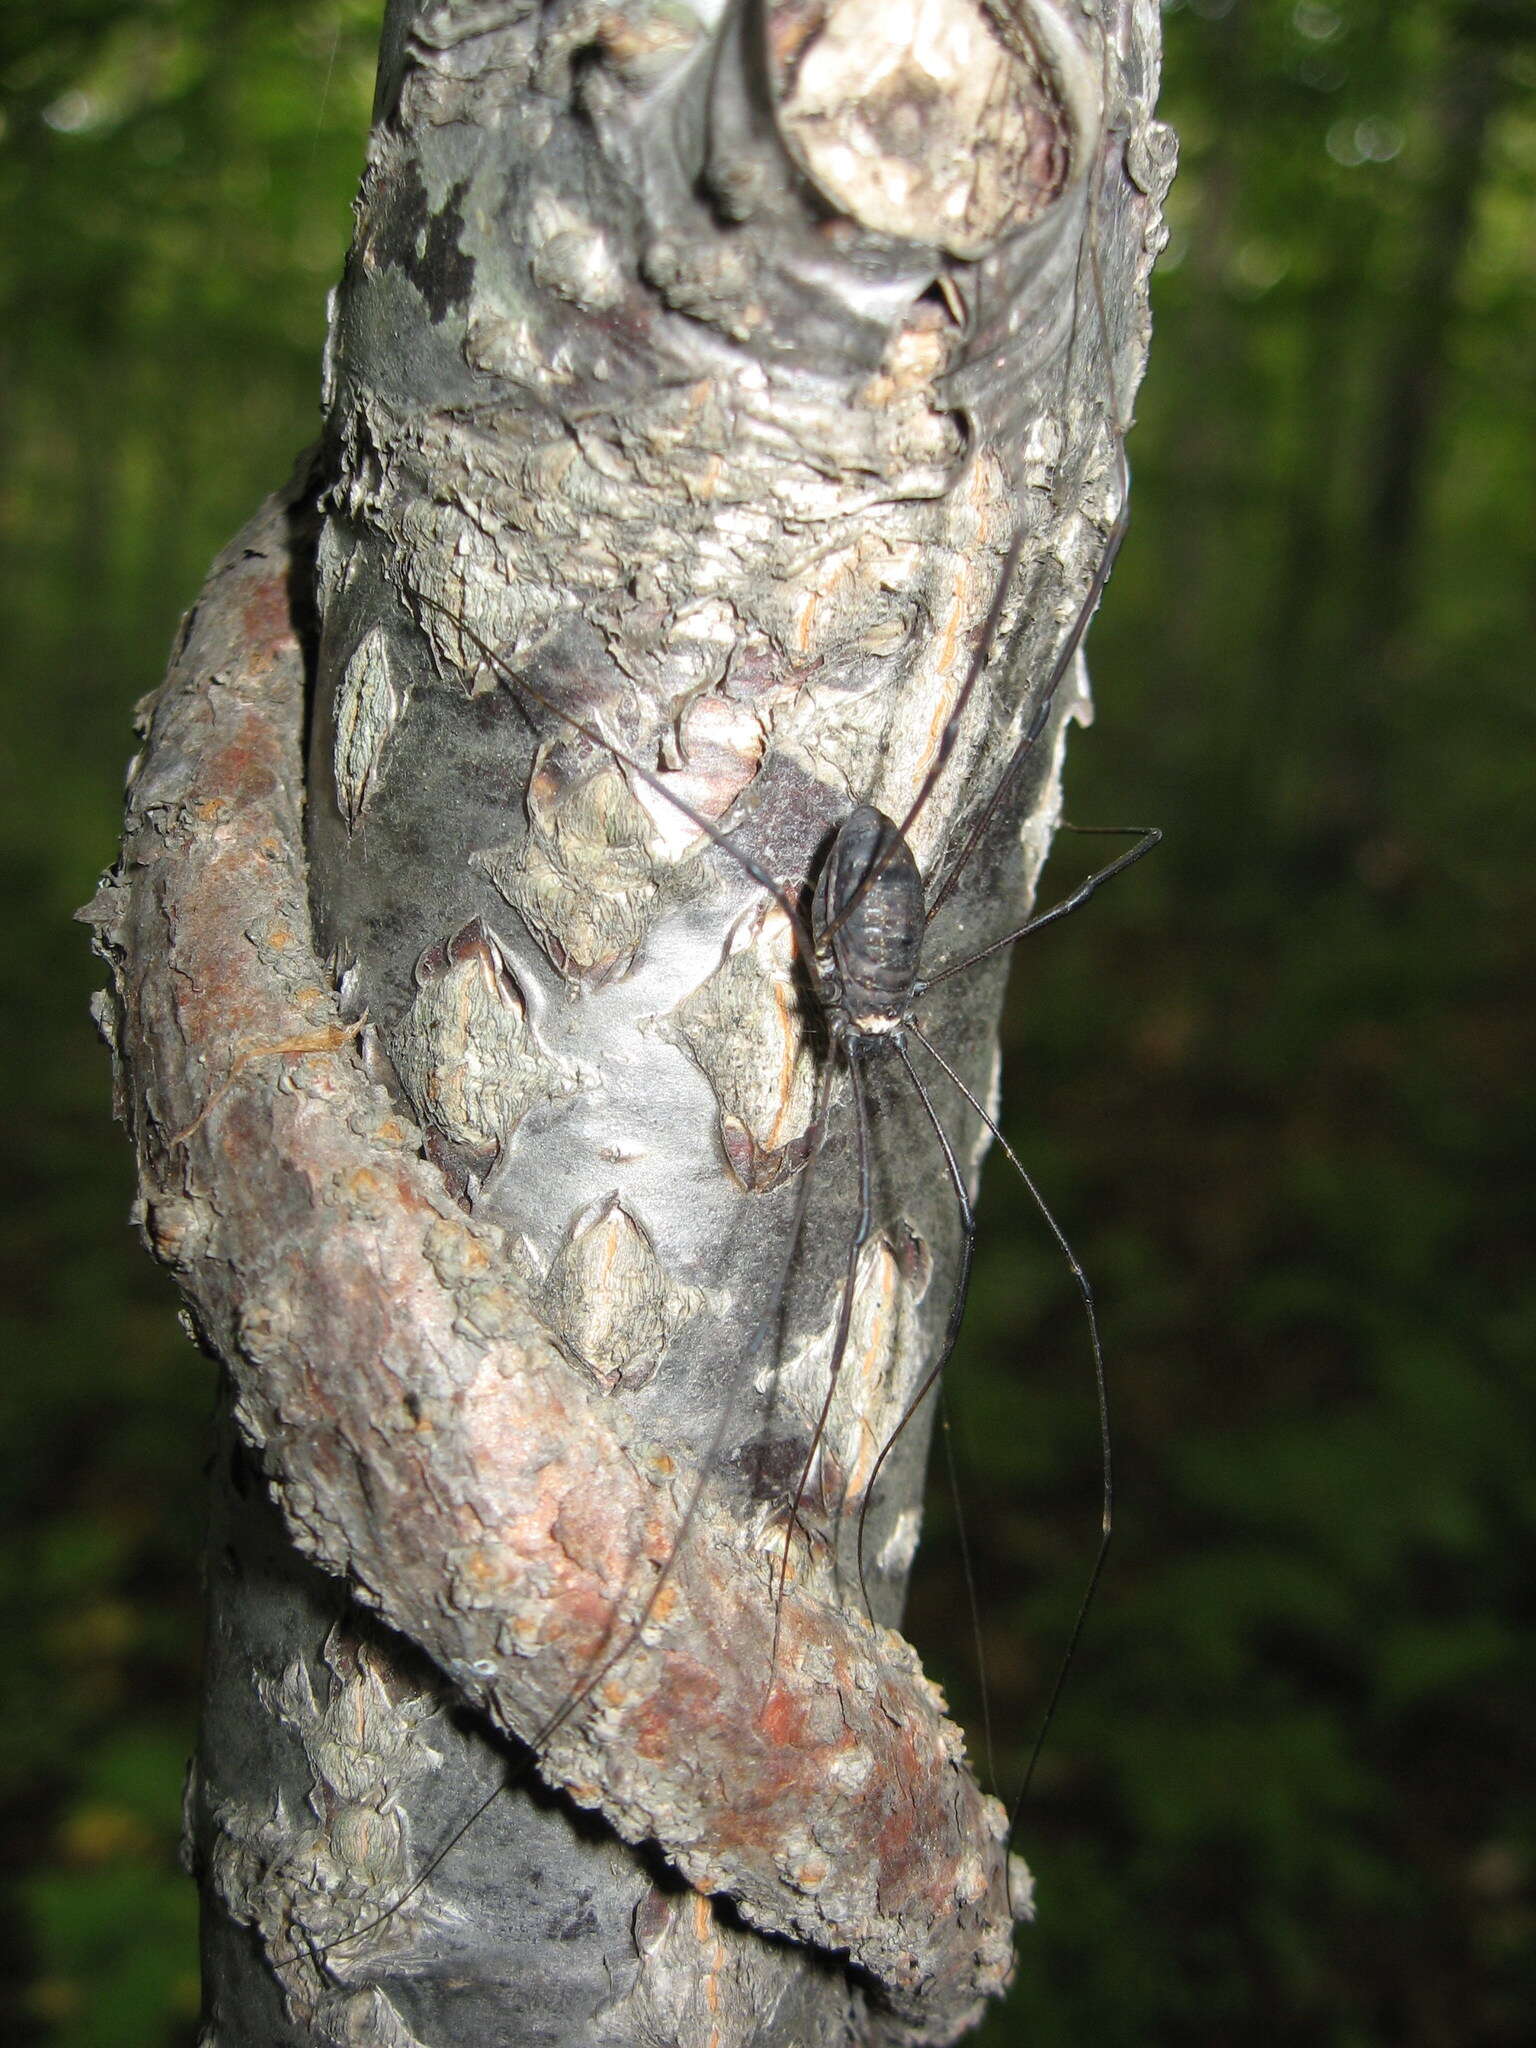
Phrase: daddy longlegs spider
pixel 860 923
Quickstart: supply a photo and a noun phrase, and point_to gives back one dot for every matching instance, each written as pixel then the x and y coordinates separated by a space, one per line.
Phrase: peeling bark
pixel 692 389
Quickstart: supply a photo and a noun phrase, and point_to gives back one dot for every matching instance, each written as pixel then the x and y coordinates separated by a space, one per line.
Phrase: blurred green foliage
pixel 175 181
pixel 1276 1081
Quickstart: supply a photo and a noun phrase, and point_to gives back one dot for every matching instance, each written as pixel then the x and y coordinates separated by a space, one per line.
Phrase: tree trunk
pixel 724 432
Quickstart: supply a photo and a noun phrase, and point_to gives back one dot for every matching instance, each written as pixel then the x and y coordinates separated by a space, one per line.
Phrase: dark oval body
pixel 867 922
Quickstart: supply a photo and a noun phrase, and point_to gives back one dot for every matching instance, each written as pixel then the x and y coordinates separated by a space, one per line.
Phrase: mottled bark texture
pixel 694 386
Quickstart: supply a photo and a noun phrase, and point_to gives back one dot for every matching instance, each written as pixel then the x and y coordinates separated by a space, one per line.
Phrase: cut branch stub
pixel 951 122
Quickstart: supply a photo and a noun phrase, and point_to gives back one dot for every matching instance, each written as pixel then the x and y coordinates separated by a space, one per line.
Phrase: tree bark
pixel 694 387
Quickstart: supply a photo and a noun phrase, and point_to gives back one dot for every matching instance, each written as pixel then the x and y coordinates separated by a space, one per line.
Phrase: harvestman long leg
pixel 850 1280
pixel 859 1239
pixel 806 952
pixel 1147 839
pixel 856 1246
pixel 1106 1447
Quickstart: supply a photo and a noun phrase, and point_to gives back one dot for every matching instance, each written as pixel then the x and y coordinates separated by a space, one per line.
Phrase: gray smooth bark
pixel 693 387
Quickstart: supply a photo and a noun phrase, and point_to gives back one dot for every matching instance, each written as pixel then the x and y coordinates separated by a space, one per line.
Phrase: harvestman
pixel 861 954
pixel 861 951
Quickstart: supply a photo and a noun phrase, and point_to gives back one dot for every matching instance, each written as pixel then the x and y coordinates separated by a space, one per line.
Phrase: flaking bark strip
pixel 432 1467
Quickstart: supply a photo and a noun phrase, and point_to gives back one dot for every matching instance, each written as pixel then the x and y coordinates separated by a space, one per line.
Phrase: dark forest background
pixel 1278 1081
